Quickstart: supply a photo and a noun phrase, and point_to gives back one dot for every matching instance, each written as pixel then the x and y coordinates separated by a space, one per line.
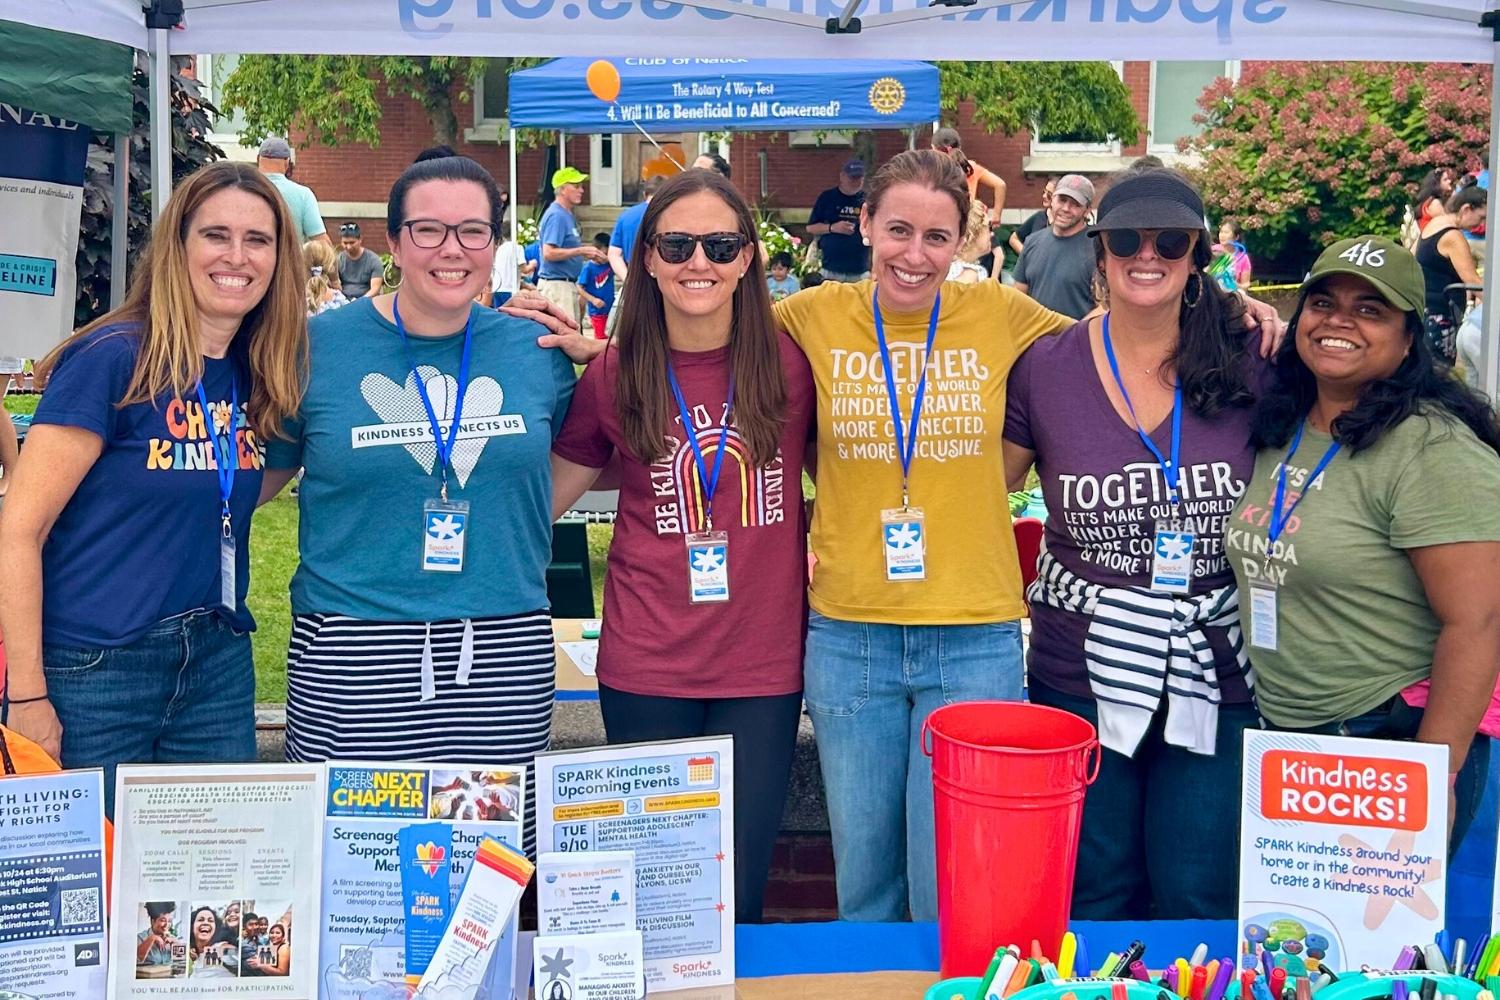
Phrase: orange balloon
pixel 603 80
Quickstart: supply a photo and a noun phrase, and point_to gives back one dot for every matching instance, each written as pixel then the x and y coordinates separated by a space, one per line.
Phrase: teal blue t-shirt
pixel 365 441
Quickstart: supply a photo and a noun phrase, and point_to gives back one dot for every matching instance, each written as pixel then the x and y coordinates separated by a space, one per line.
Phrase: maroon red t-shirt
pixel 1104 491
pixel 655 641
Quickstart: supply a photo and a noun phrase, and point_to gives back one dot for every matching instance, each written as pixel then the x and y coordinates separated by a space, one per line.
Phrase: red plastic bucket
pixel 1008 780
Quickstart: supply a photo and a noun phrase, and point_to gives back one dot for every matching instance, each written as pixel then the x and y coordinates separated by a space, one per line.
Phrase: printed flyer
pixel 216 881
pixel 671 803
pixel 1343 846
pixel 52 886
pixel 368 805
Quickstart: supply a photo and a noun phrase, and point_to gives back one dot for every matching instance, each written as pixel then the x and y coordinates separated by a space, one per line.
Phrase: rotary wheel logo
pixel 887 95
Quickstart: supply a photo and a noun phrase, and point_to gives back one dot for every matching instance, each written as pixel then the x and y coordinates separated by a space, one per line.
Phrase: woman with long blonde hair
pixel 324 291
pixel 124 546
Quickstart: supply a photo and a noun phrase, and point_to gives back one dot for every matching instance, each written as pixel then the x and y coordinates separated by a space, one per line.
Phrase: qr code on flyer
pixel 80 906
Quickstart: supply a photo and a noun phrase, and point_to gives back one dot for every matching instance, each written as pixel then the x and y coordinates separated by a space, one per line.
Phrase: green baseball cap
pixel 568 175
pixel 1382 262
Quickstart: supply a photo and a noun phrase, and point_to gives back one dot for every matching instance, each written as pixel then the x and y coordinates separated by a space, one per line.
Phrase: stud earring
pixel 865 240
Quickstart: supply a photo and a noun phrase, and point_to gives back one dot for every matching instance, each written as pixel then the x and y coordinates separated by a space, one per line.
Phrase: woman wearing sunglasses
pixel 1138 422
pixel 708 409
pixel 421 629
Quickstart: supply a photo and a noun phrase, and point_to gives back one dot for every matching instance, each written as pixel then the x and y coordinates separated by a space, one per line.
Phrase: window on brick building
pixel 492 94
pixel 1043 141
pixel 1175 89
pixel 213 72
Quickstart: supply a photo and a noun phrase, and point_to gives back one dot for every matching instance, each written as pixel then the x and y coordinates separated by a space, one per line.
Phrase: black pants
pixel 765 734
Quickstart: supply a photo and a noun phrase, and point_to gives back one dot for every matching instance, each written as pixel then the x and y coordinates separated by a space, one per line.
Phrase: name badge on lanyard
pixel 226 458
pixel 1172 545
pixel 1263 592
pixel 903 530
pixel 445 523
pixel 707 550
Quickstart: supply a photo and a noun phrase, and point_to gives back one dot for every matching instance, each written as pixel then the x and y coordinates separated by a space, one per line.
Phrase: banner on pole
pixel 42 161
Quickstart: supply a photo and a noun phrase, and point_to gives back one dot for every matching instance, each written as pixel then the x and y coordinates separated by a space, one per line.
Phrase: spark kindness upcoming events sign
pixel 1343 844
pixel 671 803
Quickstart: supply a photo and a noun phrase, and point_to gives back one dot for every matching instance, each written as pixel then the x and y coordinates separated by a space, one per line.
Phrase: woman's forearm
pixel 1464 667
pixel 21 614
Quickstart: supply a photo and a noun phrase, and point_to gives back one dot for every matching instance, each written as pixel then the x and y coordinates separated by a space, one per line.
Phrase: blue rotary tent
pixel 716 95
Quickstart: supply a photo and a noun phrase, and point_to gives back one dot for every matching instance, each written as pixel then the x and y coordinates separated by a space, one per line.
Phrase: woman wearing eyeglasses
pixel 708 408
pixel 421 628
pixel 1138 422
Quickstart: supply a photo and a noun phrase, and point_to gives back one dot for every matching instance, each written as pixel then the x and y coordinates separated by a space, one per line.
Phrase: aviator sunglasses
pixel 1171 244
pixel 677 248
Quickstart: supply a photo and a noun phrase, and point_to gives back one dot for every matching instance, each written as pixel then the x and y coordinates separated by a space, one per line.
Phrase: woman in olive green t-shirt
pixel 1365 546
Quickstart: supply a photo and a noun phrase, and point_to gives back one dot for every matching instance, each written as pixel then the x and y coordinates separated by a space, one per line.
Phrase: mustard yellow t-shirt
pixel 957 475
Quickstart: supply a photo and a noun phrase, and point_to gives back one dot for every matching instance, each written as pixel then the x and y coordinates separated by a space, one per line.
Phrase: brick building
pixel 780 171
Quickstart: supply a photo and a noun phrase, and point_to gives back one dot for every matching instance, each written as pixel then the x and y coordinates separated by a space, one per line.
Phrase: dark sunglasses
pixel 677 248
pixel 1171 244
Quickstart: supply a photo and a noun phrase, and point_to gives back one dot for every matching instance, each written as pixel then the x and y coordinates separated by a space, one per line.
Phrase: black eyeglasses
pixel 429 234
pixel 677 248
pixel 1171 244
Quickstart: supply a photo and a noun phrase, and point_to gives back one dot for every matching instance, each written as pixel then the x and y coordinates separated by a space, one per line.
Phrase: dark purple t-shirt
pixel 654 640
pixel 1105 490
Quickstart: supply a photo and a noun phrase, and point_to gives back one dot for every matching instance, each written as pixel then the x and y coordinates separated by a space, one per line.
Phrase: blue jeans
pixel 1396 720
pixel 868 689
pixel 183 693
pixel 1161 830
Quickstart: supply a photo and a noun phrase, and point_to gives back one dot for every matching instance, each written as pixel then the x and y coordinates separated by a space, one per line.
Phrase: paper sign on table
pixel 585 892
pixel 52 885
pixel 585 655
pixel 671 803
pixel 460 967
pixel 198 849
pixel 589 966
pixel 363 955
pixel 1343 845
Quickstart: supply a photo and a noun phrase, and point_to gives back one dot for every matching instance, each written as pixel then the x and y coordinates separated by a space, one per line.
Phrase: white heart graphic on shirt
pixel 403 404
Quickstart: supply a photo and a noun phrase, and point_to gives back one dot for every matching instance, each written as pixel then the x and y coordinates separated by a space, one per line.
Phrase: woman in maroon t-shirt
pixel 704 602
pixel 1135 620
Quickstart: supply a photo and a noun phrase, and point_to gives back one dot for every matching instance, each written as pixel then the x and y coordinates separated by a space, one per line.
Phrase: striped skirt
pixel 354 692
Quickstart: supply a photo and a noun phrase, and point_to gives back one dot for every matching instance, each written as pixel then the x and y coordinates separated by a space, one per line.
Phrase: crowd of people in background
pixel 1121 342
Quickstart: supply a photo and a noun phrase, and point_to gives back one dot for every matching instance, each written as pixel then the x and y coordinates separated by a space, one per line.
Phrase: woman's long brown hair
pixel 272 339
pixel 643 395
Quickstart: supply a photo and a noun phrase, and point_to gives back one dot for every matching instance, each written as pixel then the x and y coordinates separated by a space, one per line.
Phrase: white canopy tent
pixel 1397 30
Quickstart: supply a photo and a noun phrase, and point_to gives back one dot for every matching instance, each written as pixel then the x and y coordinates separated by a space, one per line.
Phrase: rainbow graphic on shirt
pixel 188 446
pixel 681 495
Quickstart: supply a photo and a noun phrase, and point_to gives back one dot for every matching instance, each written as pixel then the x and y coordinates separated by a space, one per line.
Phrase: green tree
pixel 191 119
pixel 333 99
pixel 1083 99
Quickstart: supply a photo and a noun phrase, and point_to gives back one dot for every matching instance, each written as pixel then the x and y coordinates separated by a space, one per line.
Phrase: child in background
pixel 780 281
pixel 596 286
pixel 505 275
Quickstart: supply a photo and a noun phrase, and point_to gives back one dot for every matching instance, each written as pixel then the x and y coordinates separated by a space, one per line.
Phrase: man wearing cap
pixel 1057 263
pixel 274 159
pixel 563 251
pixel 360 272
pixel 835 222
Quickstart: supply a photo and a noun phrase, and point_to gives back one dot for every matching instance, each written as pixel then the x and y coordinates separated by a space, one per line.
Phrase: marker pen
pixel 1108 968
pixel 1002 976
pixel 1266 962
pixel 1460 956
pixel 1019 978
pixel 1049 972
pixel 1433 956
pixel 1304 989
pixel 1137 971
pixel 1118 991
pixel 1405 959
pixel 1222 977
pixel 1065 954
pixel 1213 970
pixel 989 973
pixel 1399 990
pixel 1247 984
pixel 1475 955
pixel 1321 982
pixel 1200 955
pixel 1444 942
pixel 1081 966
pixel 1134 953
pixel 1169 978
pixel 1184 977
pixel 1428 990
pixel 1199 983
pixel 1278 983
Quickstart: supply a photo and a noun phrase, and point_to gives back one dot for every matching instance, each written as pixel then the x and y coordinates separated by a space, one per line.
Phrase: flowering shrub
pixel 1328 150
pixel 778 240
pixel 526 231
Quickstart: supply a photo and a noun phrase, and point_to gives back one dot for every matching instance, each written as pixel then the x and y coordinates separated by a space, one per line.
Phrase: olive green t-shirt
pixel 1353 623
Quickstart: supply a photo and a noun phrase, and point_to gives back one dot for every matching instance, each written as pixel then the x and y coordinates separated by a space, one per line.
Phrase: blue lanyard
pixel 444 447
pixel 1279 519
pixel 224 448
pixel 1169 466
pixel 906 442
pixel 709 480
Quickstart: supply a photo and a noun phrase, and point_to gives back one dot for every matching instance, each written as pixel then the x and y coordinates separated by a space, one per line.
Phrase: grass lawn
pixel 273 558
pixel 22 404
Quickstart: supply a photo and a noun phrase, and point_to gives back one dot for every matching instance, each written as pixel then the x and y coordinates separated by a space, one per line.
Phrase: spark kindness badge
pixel 1343 844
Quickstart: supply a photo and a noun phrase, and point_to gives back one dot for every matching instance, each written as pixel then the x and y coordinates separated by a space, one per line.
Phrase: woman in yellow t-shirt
pixel 916 608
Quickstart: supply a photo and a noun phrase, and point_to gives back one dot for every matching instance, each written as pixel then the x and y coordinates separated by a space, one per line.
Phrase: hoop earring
pixel 1196 281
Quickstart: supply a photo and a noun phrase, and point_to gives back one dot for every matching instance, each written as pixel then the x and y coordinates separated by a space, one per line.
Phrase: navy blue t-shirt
pixel 139 540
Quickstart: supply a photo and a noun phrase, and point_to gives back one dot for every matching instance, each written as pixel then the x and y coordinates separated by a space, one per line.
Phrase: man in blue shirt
pixel 563 252
pixel 622 242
